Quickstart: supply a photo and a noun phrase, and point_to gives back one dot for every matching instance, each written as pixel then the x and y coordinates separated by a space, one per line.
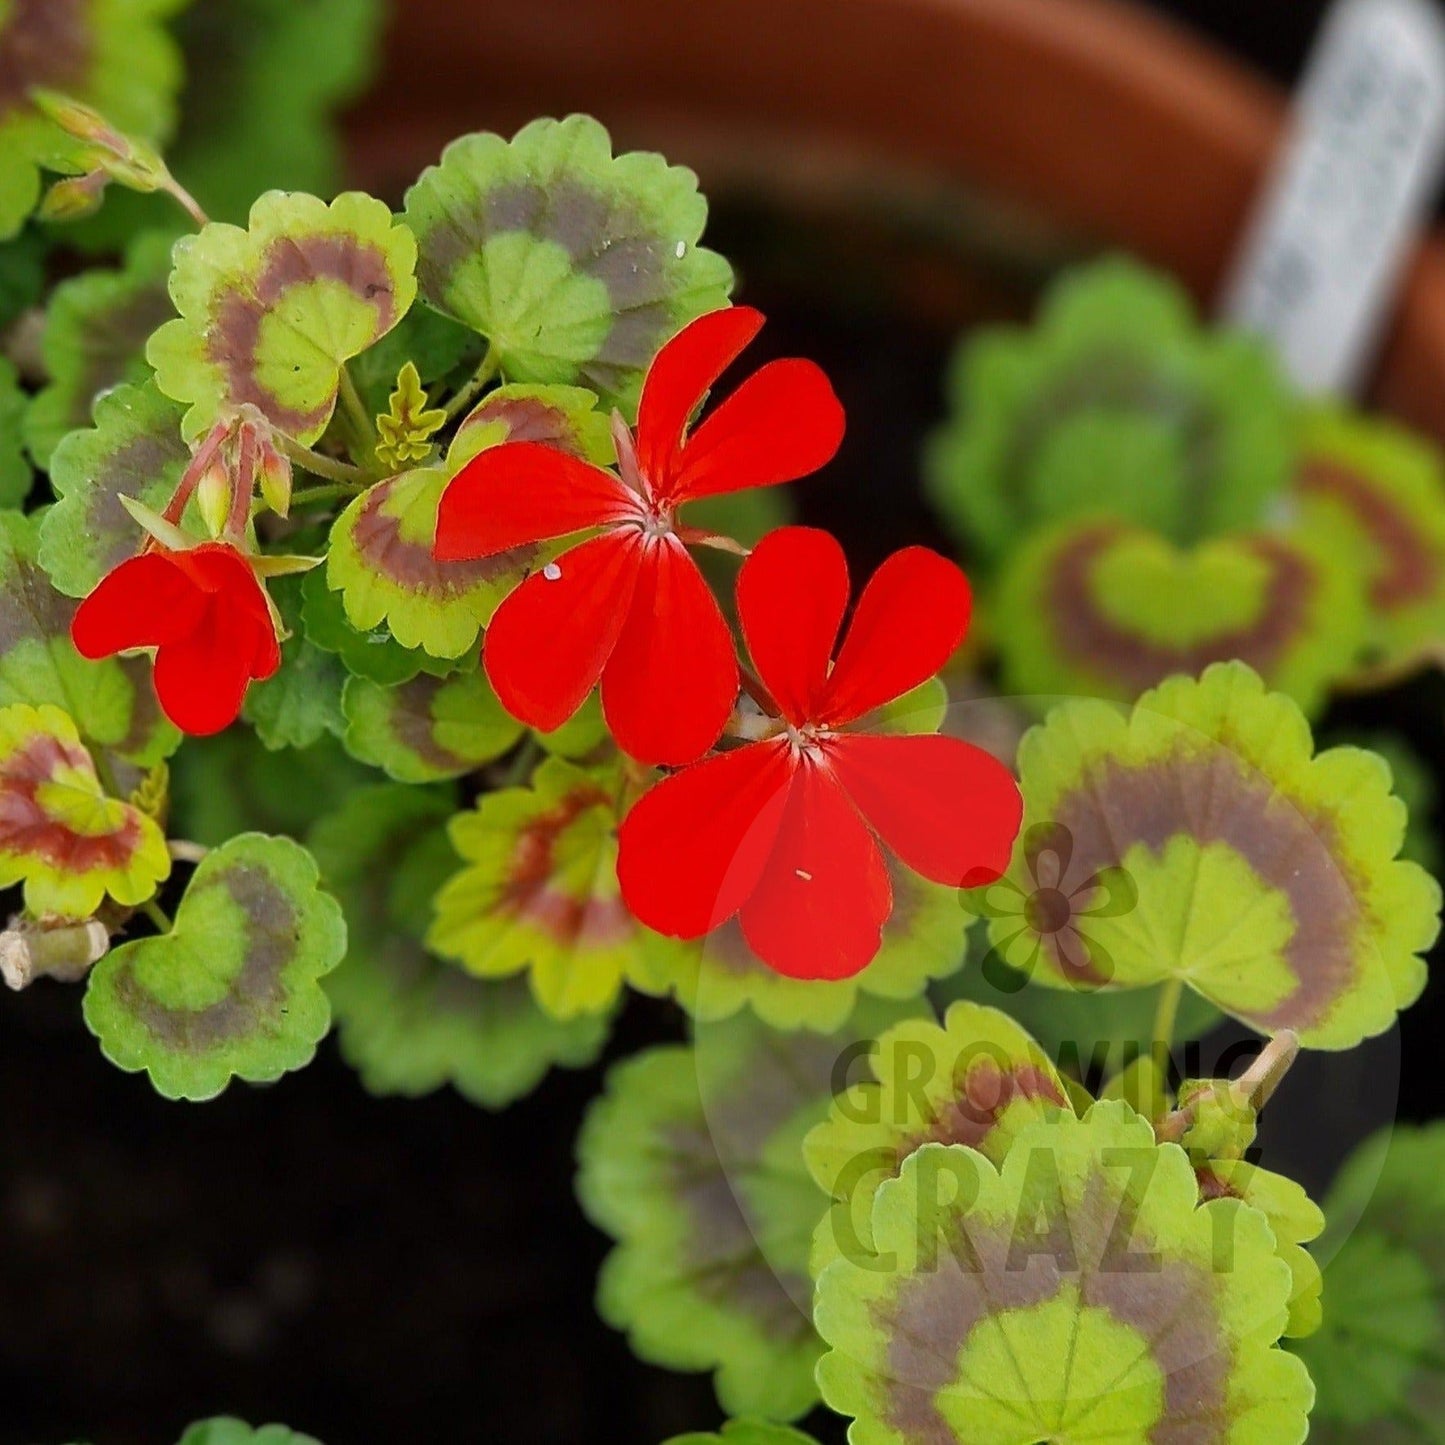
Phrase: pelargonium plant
pixel 437 525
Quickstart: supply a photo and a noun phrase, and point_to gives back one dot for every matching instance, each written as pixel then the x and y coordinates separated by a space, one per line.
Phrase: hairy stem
pixel 156 914
pixel 1166 1018
pixel 321 466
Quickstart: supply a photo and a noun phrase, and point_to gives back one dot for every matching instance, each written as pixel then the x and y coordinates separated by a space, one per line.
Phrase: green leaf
pixel 96 328
pixel 60 834
pixel 114 55
pixel 747 1432
pixel 576 266
pixel 1090 1035
pixel 232 783
pixel 408 1023
pixel 691 1162
pixel 269 315
pixel 111 702
pixel 16 477
pixel 1116 403
pixel 22 275
pixel 1377 1360
pixel 1093 608
pixel 375 655
pixel 429 728
pixel 1075 1295
pixel 226 1431
pixel 538 891
pixel 234 990
pixel 1263 875
pixel 305 59
pixel 977 1079
pixel 135 449
pixel 716 977
pixel 437 346
pixel 1382 491
pixel 301 704
pixel 1414 785
pixel 381 546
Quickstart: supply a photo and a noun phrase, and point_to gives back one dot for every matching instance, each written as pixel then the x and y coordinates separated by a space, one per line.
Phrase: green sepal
pixel 575 265
pixel 234 989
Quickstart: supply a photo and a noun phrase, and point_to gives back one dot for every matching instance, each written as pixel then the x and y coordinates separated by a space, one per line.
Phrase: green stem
pixel 309 496
pixel 320 466
pixel 481 378
pixel 1166 1016
pixel 157 915
pixel 363 424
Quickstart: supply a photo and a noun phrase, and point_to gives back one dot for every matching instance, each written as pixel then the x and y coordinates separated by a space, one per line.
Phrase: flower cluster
pixel 781 827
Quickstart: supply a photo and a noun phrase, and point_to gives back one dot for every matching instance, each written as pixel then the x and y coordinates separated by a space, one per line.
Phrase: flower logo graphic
pixel 1051 912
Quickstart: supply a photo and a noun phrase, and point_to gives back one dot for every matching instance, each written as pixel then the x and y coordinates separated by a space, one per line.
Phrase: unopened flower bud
pixel 213 497
pixel 273 469
pixel 74 198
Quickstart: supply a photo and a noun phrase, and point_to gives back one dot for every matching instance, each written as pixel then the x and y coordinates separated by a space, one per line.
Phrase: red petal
pixel 672 679
pixel 819 909
pixel 910 619
pixel 792 593
pixel 145 602
pixel 782 423
pixel 201 680
pixel 949 810
pixel 549 641
pixel 522 492
pixel 678 380
pixel 691 851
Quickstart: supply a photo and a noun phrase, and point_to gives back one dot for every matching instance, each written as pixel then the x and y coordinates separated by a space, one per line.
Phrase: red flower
pixel 785 832
pixel 629 606
pixel 206 614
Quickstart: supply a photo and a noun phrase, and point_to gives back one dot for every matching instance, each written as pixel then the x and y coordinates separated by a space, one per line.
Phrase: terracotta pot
pixel 1100 118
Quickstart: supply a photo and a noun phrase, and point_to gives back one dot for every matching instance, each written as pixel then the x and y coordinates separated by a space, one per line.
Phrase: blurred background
pixel 383 1270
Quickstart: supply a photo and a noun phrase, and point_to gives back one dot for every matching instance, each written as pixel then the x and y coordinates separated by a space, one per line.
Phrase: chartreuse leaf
pixel 269 315
pixel 114 55
pixel 977 1079
pixel 429 728
pixel 1384 491
pixel 1377 1360
pixel 226 1431
pixel 375 655
pixel 1074 1294
pixel 718 976
pixel 96 328
pixel 134 449
pixel 691 1161
pixel 1114 403
pixel 16 476
pixel 234 990
pixel 747 1432
pixel 538 891
pixel 60 834
pixel 409 1023
pixel 381 546
pixel 575 265
pixel 1414 784
pixel 1264 876
pixel 582 736
pixel 1094 608
pixel 111 702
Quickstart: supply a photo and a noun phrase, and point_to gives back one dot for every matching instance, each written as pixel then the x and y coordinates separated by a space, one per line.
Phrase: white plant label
pixel 1351 192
